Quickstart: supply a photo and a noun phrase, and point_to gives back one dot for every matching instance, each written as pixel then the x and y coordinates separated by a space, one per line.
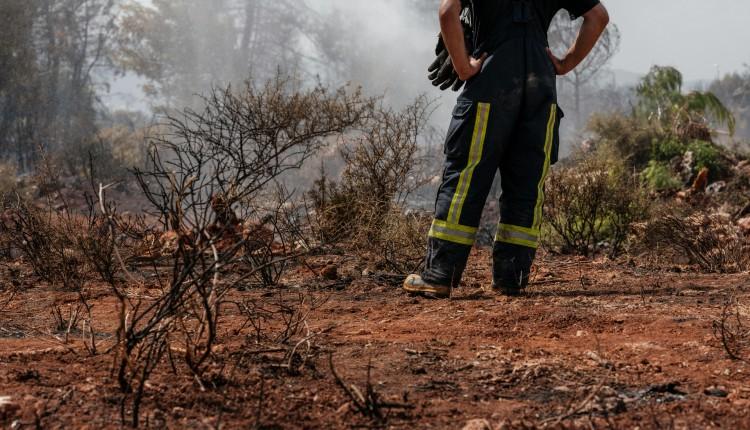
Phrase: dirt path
pixel 593 344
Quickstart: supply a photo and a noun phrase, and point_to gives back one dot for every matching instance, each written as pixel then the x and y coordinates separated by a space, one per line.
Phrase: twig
pixel 578 409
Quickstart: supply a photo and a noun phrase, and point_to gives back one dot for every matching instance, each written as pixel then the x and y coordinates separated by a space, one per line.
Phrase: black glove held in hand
pixel 442 74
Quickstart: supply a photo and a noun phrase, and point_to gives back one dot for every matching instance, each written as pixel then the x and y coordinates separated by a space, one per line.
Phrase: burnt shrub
pixel 709 240
pixel 365 209
pixel 591 205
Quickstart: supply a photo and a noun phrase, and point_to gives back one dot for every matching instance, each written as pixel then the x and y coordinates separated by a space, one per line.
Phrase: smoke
pixel 391 43
pixel 386 47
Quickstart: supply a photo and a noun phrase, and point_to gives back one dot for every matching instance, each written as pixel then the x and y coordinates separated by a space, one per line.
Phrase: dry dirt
pixel 594 344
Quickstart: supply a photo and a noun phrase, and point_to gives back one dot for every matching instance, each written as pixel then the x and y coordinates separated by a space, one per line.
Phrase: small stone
pixel 8 408
pixel 716 392
pixel 478 424
pixel 330 272
pixel 744 225
pixel 716 187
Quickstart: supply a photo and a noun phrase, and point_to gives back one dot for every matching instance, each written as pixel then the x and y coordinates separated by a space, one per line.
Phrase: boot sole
pixel 436 292
pixel 510 292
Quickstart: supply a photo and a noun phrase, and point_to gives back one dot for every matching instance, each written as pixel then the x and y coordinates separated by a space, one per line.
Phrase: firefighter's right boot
pixel 414 284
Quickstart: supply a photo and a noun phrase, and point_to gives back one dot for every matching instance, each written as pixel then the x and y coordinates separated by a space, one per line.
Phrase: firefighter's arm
pixel 594 23
pixel 453 36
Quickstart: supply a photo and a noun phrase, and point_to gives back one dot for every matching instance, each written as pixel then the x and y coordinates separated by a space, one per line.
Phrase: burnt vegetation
pixel 219 221
pixel 191 253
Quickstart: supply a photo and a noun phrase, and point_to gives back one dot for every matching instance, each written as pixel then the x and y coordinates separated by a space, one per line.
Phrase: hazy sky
pixel 696 36
pixel 699 37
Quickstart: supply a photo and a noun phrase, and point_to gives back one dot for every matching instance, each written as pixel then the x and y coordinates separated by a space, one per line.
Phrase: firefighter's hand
pixel 471 68
pixel 561 68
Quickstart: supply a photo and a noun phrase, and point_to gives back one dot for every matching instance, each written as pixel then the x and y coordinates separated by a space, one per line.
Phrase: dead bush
pixel 366 208
pixel 49 241
pixel 115 148
pixel 591 205
pixel 731 330
pixel 280 337
pixel 66 250
pixel 8 175
pixel 207 180
pixel 402 239
pixel 712 241
pixel 9 288
pixel 368 402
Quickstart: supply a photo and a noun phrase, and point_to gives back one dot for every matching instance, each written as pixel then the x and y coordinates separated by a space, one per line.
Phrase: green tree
pixel 690 115
pixel 50 53
pixel 184 47
pixel 734 91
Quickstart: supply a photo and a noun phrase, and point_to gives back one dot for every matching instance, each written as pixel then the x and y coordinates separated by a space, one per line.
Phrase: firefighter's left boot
pixel 511 268
pixel 508 280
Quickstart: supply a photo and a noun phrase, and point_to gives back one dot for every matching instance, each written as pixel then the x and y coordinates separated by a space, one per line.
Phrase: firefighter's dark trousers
pixel 505 121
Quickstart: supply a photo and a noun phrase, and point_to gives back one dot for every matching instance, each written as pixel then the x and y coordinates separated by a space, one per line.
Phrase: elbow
pixel 602 17
pixel 598 16
pixel 450 10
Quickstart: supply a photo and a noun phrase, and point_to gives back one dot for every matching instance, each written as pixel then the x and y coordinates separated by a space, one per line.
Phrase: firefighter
pixel 505 120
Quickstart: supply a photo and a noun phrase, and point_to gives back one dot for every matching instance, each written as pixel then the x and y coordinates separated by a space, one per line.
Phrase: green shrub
pixel 629 138
pixel 592 204
pixel 659 177
pixel 708 155
pixel 667 149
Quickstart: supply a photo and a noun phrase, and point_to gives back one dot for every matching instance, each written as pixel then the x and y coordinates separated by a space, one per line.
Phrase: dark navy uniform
pixel 507 120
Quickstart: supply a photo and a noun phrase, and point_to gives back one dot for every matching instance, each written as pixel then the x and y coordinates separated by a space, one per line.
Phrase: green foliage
pixel 710 156
pixel 629 139
pixel 51 53
pixel 660 100
pixel 666 149
pixel 734 90
pixel 592 203
pixel 659 92
pixel 659 177
pixel 707 104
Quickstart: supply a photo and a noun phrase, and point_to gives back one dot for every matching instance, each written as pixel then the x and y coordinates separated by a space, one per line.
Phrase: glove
pixel 442 74
pixel 441 71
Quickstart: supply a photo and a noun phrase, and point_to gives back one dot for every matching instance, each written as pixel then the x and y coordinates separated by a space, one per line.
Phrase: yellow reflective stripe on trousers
pixel 455 233
pixel 517 235
pixel 475 156
pixel 547 157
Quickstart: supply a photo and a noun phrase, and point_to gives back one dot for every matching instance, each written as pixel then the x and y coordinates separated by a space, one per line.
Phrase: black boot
pixel 511 268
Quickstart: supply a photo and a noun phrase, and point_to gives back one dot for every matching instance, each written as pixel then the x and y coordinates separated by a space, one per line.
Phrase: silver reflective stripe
pixel 452 232
pixel 516 237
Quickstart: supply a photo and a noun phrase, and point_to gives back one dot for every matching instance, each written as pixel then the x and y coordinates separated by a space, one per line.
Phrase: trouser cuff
pixel 512 264
pixel 446 262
